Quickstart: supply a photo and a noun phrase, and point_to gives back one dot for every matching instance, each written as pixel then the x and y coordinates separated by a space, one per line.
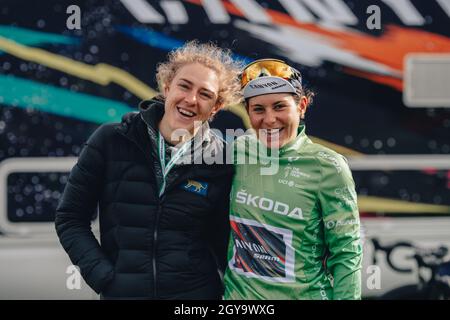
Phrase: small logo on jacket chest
pixel 194 186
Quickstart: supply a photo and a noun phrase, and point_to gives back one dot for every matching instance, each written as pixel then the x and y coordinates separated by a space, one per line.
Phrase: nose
pixel 269 118
pixel 191 97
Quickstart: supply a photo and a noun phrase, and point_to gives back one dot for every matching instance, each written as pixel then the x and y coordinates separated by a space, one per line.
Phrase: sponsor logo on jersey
pixel 331 159
pixel 268 205
pixel 261 251
pixel 323 292
pixel 294 172
pixel 348 196
pixel 289 183
pixel 340 223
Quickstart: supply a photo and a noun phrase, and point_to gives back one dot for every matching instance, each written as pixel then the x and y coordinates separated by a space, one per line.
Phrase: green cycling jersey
pixel 295 230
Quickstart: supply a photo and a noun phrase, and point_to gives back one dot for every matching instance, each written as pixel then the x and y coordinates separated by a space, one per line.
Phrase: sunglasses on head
pixel 267 68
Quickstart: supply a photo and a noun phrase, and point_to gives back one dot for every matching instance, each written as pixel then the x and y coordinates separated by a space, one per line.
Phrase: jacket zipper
pixel 155 231
pixel 155 244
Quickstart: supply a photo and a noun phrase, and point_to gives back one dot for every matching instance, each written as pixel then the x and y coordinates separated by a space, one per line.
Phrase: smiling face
pixel 276 117
pixel 191 96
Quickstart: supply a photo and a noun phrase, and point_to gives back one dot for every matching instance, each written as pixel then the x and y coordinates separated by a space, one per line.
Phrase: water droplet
pixel 348 139
pixel 19 213
pixel 391 142
pixel 377 144
pixel 41 23
pixel 364 142
pixel 35 179
pixel 112 112
pixel 93 49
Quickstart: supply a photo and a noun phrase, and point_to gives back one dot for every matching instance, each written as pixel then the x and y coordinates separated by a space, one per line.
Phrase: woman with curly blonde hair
pixel 163 220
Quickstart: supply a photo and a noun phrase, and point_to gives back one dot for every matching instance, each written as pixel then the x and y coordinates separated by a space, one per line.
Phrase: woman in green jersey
pixel 293 211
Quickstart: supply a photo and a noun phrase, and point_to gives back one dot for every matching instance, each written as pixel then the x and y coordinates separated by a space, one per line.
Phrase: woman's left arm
pixel 338 202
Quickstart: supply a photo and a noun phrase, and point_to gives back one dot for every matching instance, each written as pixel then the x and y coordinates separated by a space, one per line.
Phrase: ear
pixel 302 106
pixel 217 107
pixel 166 89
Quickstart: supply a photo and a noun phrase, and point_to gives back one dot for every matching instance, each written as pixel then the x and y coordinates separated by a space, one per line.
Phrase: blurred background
pixel 382 81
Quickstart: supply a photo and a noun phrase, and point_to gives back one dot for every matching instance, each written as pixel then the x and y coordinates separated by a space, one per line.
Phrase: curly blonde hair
pixel 211 56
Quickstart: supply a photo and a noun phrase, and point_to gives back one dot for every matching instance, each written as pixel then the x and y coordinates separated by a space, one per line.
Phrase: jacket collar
pixel 151 112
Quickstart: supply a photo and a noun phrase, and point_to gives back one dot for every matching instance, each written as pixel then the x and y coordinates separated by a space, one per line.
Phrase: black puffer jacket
pixel 152 247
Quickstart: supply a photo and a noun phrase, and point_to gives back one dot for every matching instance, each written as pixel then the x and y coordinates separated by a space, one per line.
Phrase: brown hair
pixel 309 94
pixel 211 56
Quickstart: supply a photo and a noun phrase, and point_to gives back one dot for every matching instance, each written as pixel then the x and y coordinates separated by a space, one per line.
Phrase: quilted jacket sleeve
pixel 75 211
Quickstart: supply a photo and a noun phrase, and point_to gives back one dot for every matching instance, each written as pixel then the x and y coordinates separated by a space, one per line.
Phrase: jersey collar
pixel 296 144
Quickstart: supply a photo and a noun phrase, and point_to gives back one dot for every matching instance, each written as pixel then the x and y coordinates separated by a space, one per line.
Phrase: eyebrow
pixel 273 104
pixel 203 88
